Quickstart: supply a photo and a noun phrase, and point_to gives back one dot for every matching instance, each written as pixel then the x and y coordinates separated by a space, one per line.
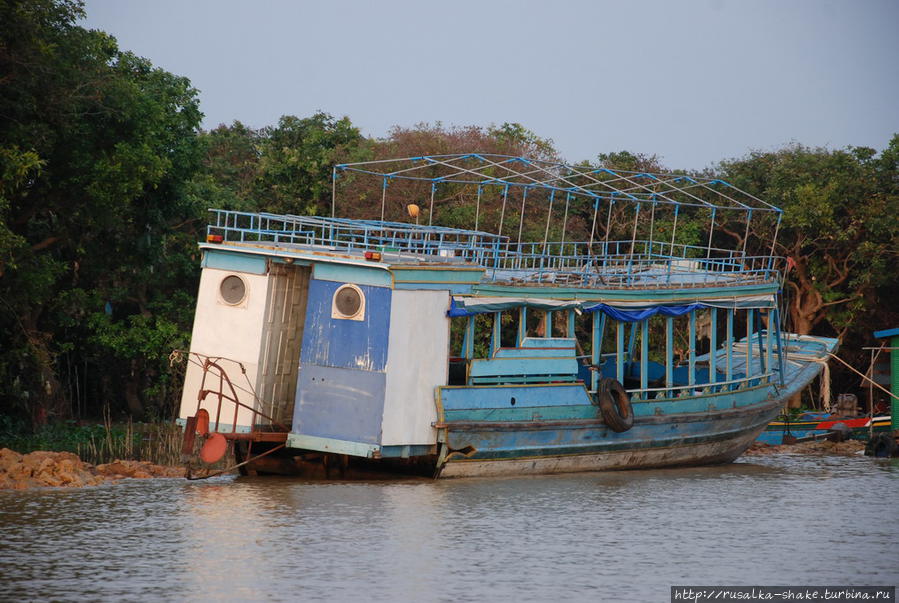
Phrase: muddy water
pixel 625 536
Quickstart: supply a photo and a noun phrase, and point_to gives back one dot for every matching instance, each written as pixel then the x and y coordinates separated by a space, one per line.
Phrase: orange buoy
pixel 213 449
pixel 202 422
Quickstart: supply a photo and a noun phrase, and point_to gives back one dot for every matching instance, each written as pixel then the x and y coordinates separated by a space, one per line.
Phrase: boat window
pixel 348 303
pixel 535 322
pixel 457 334
pixel 583 332
pixel 508 329
pixel 233 290
pixel 482 334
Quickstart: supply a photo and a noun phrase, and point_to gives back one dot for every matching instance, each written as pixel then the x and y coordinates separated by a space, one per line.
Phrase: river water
pixel 618 536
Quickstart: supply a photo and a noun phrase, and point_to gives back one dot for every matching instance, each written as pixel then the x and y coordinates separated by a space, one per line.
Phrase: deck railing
pixel 615 264
pixel 670 392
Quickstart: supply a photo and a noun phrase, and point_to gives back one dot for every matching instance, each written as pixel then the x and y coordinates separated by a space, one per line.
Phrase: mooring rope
pixel 237 466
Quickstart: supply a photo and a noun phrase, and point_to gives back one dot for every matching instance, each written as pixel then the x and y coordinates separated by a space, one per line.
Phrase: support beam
pixel 496 341
pixel 691 379
pixel 713 346
pixel 729 345
pixel 468 342
pixel 644 356
pixel 522 323
pixel 631 345
pixel 669 354
pixel 769 344
pixel 619 352
pixel 750 316
pixel 599 323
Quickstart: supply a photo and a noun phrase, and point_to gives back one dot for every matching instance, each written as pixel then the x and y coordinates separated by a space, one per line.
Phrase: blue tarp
pixel 626 312
pixel 643 313
pixel 455 310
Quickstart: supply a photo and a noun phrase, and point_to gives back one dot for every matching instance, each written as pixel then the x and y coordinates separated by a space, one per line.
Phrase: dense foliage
pixel 105 177
pixel 98 224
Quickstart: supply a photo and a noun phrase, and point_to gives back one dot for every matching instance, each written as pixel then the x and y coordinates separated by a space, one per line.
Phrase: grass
pixel 97 443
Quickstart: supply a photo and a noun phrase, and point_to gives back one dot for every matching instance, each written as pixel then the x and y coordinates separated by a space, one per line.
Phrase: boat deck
pixel 594 265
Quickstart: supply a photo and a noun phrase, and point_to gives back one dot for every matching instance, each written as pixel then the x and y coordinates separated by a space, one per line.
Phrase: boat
pixel 817 425
pixel 843 421
pixel 402 340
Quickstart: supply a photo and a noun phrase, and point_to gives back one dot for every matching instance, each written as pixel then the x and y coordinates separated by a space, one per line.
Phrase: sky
pixel 692 81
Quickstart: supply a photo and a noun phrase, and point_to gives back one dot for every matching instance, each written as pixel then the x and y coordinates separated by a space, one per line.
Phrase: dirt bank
pixel 849 447
pixel 65 470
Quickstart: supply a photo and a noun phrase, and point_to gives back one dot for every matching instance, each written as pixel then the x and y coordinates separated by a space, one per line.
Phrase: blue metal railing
pixel 597 264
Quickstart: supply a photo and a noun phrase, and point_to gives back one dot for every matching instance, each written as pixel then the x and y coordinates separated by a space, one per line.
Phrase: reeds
pixel 157 442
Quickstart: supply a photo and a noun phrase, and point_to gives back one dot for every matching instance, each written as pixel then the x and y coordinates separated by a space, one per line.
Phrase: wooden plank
pixel 548 342
pixel 501 379
pixel 535 353
pixel 523 366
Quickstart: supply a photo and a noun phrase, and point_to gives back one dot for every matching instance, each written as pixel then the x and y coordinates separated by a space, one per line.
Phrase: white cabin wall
pixel 417 362
pixel 223 330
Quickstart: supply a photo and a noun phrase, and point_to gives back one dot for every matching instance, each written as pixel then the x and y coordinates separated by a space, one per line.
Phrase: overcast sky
pixel 692 81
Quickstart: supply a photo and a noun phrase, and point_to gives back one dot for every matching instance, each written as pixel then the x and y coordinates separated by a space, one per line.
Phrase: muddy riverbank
pixel 851 447
pixel 66 470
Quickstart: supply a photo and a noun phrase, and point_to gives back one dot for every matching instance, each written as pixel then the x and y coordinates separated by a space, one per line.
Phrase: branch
pixel 188 221
pixel 45 243
pixel 733 234
pixel 840 301
pixel 842 275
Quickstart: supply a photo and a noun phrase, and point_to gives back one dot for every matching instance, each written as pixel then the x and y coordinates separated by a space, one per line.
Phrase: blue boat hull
pixel 701 430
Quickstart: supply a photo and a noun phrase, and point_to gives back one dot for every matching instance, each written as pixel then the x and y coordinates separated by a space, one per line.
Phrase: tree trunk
pixel 807 304
pixel 132 393
pixel 49 403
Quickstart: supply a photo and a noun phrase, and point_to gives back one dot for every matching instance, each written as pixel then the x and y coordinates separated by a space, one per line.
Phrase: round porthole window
pixel 233 290
pixel 348 303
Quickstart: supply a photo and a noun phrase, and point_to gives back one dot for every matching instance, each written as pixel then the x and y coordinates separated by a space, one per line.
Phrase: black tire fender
pixel 614 404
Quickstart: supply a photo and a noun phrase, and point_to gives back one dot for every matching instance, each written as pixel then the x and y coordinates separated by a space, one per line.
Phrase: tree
pixel 97 224
pixel 296 158
pixel 360 197
pixel 230 172
pixel 840 228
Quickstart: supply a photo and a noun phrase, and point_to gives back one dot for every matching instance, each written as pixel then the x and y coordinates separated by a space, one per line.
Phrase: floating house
pixel 389 341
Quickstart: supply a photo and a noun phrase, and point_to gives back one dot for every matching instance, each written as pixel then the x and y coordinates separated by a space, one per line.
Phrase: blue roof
pixel 886 333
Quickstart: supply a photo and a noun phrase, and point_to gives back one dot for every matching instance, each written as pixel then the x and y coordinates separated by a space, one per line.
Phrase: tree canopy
pixel 97 149
pixel 840 230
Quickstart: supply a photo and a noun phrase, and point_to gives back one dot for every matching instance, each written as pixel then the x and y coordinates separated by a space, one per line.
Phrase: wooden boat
pixel 325 344
pixel 819 425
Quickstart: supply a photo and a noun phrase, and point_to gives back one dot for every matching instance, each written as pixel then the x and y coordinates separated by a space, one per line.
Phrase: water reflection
pixel 778 519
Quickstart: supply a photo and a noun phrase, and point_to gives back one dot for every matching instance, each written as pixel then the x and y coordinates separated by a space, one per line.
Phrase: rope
pixel 824 396
pixel 865 377
pixel 238 465
pixel 824 393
